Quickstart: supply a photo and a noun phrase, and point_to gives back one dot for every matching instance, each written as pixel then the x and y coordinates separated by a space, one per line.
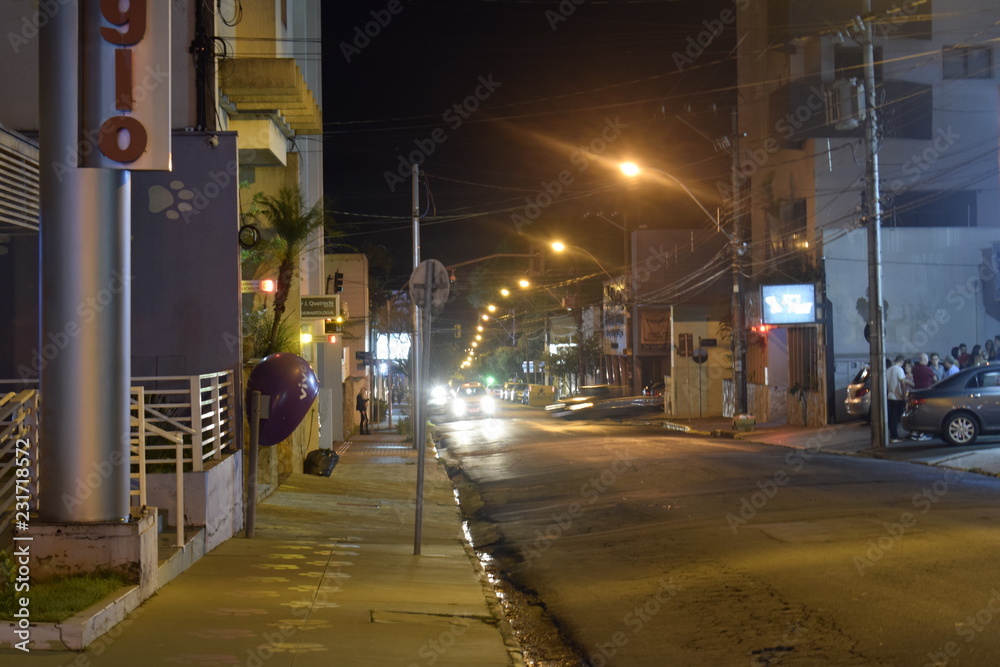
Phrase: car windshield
pixel 861 377
pixel 466 392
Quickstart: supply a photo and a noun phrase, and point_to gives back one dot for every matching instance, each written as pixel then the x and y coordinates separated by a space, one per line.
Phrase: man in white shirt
pixel 896 385
pixel 950 366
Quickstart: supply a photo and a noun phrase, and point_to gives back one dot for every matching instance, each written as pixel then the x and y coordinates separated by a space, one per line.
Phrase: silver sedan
pixel 958 408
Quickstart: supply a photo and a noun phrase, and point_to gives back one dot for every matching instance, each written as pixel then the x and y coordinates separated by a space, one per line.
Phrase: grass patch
pixel 56 599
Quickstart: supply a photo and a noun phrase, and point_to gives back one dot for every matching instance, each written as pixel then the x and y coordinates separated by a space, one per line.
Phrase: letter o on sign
pixel 108 140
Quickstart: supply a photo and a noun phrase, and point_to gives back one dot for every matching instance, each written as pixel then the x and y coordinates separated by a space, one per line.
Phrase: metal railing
pixel 201 408
pixel 18 424
pixel 178 423
pixel 181 422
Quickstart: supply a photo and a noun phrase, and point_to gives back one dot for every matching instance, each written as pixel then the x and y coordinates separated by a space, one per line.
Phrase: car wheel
pixel 960 429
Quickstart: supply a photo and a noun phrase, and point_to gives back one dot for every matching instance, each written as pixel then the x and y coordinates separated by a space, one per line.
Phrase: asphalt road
pixel 648 548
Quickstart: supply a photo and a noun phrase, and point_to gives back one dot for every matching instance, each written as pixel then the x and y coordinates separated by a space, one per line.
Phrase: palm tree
pixel 292 227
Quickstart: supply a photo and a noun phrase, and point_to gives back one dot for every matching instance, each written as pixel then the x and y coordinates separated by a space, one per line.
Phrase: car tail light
pixel 861 392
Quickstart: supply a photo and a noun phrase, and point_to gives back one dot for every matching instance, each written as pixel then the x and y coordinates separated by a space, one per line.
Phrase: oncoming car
pixel 473 400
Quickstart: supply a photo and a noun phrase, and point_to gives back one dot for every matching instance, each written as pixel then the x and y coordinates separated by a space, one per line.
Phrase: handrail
pixel 206 422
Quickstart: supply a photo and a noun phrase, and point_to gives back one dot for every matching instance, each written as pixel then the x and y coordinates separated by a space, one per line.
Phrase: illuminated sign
pixel 125 86
pixel 319 307
pixel 788 304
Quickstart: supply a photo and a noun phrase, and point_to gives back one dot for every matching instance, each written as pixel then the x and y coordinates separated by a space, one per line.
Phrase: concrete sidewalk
pixel 329 579
pixel 853 438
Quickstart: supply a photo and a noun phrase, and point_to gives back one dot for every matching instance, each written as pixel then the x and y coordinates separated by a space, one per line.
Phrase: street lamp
pixel 633 170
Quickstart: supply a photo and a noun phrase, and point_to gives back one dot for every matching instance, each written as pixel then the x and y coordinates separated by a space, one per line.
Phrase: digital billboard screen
pixel 788 304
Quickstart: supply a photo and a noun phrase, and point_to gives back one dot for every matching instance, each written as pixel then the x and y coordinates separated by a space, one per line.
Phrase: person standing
pixel 896 386
pixel 936 366
pixel 923 377
pixel 950 366
pixel 923 373
pixel 362 408
pixel 962 358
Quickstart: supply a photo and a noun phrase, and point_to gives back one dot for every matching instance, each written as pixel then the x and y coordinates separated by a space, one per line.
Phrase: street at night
pixel 651 548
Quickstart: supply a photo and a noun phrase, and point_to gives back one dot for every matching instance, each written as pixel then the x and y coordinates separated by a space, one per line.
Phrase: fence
pixel 178 423
pixel 18 422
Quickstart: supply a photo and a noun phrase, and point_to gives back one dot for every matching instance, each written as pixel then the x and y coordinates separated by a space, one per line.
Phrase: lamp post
pixel 633 170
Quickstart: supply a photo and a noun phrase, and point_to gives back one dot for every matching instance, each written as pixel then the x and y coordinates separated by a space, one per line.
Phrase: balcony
pixel 271 86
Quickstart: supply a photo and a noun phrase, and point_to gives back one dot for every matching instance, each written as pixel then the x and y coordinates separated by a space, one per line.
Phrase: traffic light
pixel 333 325
pixel 338 282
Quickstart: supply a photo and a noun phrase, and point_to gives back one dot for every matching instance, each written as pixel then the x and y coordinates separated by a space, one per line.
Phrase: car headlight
pixel 439 396
pixel 458 407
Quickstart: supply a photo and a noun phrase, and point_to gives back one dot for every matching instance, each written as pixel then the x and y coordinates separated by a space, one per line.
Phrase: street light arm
pixel 691 195
pixel 488 257
pixel 591 256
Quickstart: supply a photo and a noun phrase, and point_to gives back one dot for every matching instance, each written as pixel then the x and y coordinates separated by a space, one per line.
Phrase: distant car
pixel 859 396
pixel 959 408
pixel 610 408
pixel 439 401
pixel 584 400
pixel 472 400
pixel 654 388
pixel 512 391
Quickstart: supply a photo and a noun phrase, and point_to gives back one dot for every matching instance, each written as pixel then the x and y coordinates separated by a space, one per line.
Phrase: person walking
pixel 362 408
pixel 896 386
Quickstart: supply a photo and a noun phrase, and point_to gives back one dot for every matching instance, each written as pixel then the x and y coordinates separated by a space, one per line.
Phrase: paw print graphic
pixel 174 201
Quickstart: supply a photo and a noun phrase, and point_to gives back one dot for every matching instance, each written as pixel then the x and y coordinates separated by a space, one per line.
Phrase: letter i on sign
pixel 132 20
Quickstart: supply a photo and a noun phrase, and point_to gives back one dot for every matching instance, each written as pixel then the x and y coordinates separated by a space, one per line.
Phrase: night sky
pixel 497 99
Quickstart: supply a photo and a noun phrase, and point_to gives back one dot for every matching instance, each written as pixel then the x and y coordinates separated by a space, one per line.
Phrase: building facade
pixel 801 163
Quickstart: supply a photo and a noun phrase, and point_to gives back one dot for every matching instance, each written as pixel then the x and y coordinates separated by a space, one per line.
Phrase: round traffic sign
pixel 700 355
pixel 430 276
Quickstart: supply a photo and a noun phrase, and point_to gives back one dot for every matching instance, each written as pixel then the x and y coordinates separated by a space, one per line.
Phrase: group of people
pixel 904 374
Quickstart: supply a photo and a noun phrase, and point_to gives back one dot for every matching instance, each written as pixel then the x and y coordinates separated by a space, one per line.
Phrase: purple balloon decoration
pixel 292 387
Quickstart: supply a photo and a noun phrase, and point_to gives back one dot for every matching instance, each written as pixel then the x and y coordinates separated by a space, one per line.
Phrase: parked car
pixel 859 396
pixel 958 409
pixel 473 400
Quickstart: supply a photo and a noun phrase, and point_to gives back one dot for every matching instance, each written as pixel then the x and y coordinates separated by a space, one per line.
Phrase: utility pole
pixel 873 218
pixel 739 333
pixel 415 347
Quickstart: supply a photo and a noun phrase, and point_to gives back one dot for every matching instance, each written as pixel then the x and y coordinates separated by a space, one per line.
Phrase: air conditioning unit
pixel 845 104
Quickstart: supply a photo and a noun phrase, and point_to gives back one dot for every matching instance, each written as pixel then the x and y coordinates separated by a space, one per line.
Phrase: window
pixel 931 208
pixel 787 231
pixel 848 63
pixel 968 62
